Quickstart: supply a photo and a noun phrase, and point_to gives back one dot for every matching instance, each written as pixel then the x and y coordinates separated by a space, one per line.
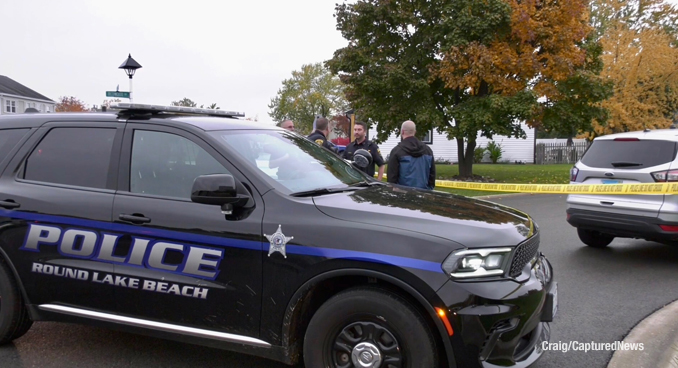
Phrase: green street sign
pixel 117 94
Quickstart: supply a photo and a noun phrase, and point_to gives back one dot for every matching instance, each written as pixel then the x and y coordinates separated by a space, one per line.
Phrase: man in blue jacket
pixel 411 162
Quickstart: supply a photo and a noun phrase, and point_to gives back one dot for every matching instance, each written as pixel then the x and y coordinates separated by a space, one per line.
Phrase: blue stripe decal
pixel 230 242
pixel 365 257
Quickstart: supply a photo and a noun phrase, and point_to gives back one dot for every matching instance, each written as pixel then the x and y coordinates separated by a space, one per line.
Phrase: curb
pixel 659 335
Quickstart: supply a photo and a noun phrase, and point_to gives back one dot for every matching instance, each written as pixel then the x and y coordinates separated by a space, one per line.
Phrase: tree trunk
pixel 465 157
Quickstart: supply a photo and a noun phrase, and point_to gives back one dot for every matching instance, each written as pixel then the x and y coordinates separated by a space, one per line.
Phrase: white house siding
pixel 513 149
pixel 22 103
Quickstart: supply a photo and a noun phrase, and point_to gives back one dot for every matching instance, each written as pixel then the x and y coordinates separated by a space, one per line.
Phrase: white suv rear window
pixel 629 154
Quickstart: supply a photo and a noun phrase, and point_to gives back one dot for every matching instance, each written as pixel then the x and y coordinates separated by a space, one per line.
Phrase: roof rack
pixel 146 108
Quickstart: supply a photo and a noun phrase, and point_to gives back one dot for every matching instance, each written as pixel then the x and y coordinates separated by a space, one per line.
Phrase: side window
pixel 9 138
pixel 166 164
pixel 72 156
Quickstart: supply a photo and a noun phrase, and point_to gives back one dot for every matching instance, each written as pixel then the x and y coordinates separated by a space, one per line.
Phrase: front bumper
pixel 502 323
pixel 620 225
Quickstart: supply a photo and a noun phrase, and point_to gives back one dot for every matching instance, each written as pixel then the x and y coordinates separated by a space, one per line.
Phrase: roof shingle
pixel 12 87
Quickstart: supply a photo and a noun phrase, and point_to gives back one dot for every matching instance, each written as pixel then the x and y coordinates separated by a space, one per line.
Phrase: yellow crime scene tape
pixel 610 189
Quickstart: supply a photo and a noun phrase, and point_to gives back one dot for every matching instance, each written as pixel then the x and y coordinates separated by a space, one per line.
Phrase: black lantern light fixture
pixel 130 66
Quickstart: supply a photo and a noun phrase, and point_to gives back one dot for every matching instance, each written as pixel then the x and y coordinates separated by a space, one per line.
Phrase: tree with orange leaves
pixel 70 104
pixel 469 67
pixel 640 58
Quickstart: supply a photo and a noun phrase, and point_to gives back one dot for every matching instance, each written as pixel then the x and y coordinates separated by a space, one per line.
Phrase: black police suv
pixel 216 231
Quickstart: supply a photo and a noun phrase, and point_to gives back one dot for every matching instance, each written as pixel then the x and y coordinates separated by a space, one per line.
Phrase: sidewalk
pixel 659 335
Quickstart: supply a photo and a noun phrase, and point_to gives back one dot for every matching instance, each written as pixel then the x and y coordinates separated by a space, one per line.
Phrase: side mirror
pixel 217 189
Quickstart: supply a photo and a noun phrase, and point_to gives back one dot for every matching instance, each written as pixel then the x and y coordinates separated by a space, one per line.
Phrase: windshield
pixel 294 163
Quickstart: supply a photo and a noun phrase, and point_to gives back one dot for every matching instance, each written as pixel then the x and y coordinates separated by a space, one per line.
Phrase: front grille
pixel 523 254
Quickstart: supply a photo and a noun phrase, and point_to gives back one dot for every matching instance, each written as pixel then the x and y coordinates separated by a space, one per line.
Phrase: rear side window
pixel 9 138
pixel 72 156
pixel 629 154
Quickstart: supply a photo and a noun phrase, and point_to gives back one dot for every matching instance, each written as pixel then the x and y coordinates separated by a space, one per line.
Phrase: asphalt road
pixel 603 293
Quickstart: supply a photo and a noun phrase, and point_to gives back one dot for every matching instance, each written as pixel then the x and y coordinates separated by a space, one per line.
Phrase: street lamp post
pixel 130 66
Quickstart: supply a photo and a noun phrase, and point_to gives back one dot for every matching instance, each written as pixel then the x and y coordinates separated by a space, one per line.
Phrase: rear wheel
pixel 594 238
pixel 14 319
pixel 367 327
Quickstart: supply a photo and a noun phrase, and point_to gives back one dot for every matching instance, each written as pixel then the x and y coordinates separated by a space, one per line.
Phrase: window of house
pixel 428 138
pixel 166 164
pixel 72 156
pixel 10 106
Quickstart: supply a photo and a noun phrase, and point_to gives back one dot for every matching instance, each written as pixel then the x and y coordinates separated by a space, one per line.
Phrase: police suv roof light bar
pixel 176 109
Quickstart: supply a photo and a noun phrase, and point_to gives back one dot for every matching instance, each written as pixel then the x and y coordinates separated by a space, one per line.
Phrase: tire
pixel 14 319
pixel 594 239
pixel 356 321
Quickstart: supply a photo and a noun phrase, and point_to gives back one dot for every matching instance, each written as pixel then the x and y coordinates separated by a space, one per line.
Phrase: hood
pixel 413 147
pixel 470 222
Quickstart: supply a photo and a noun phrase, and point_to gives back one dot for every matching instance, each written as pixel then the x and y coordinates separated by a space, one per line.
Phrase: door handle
pixel 9 204
pixel 134 218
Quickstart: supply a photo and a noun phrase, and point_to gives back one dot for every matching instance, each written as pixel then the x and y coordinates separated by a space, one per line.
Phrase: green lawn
pixel 507 173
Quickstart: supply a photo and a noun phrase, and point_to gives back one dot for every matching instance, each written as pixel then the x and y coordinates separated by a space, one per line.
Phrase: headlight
pixel 468 263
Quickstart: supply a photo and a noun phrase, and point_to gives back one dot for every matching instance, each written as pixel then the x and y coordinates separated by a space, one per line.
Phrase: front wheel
pixel 594 239
pixel 368 327
pixel 14 319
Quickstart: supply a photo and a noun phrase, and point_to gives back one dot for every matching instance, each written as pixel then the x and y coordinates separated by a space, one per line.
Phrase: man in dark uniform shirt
pixel 361 142
pixel 322 130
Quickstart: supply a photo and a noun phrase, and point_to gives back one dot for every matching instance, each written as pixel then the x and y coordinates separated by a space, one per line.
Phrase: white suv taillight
pixel 573 173
pixel 665 176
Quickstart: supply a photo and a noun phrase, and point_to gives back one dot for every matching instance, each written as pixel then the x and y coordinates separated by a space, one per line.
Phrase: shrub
pixel 478 154
pixel 495 151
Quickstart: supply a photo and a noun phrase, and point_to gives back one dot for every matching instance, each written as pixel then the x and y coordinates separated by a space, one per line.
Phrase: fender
pixel 303 289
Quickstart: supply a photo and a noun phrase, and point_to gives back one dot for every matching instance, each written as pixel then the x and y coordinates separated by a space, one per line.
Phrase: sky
pixel 232 53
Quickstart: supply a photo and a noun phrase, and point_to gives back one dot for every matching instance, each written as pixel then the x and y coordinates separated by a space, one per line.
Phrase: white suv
pixel 636 157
